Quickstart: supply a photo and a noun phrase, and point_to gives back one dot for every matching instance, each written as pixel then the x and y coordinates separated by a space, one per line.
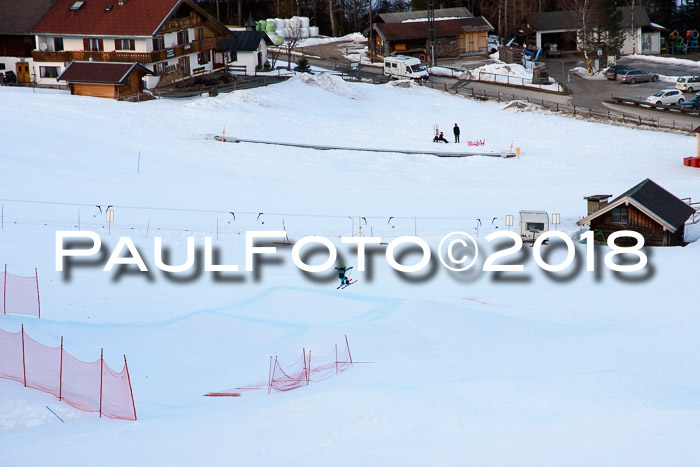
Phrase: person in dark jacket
pixel 456 132
pixel 440 139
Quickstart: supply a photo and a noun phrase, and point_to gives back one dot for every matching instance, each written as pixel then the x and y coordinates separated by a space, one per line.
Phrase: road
pixel 585 92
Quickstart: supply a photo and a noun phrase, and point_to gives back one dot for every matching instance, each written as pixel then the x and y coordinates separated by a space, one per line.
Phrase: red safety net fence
pixel 305 370
pixel 20 294
pixel 87 386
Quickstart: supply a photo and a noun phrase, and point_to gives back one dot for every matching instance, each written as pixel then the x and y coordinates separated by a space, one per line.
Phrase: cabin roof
pixel 652 200
pixel 100 72
pixel 458 12
pixel 419 29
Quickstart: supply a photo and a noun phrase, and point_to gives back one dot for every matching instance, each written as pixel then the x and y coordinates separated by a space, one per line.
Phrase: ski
pixel 344 286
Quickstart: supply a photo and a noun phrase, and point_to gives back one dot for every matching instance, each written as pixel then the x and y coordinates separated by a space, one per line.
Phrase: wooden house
pixel 17 19
pixel 646 208
pixel 175 39
pixel 103 79
pixel 453 37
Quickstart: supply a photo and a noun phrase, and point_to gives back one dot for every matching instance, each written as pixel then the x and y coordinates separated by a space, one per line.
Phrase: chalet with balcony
pixel 174 39
pixel 17 20
pixel 646 208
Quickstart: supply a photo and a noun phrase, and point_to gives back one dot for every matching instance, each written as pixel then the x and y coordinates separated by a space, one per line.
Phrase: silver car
pixel 637 76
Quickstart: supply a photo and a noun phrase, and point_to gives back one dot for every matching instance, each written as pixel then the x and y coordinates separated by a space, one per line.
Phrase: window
pixel 124 44
pixel 183 37
pixel 2 66
pixel 58 44
pixel 159 68
pixel 619 215
pixel 535 226
pixel 203 57
pixel 200 34
pixel 158 43
pixel 49 71
pixel 93 45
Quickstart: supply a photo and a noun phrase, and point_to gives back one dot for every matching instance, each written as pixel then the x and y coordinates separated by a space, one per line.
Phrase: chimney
pixel 596 202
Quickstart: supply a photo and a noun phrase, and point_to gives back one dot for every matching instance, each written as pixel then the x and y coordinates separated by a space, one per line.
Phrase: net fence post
pixel 348 347
pixel 38 301
pixel 308 375
pixel 24 365
pixel 4 292
pixel 60 373
pixel 131 391
pixel 101 367
pixel 306 370
pixel 336 359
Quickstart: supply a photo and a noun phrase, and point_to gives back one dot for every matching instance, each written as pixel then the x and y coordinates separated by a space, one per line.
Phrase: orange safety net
pixel 87 386
pixel 20 295
pixel 306 369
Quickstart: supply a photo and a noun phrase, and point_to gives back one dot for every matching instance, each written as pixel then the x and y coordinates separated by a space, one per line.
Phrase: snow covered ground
pixel 569 368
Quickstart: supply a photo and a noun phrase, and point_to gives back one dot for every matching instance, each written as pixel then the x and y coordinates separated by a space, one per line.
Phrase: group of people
pixel 440 138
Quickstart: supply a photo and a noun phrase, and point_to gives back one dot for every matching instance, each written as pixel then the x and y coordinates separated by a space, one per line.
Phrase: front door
pixel 23 75
pixel 185 65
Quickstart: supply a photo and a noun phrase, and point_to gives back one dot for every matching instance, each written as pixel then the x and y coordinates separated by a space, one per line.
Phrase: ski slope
pixel 573 368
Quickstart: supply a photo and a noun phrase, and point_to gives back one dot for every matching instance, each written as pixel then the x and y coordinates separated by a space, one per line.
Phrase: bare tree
pixel 331 12
pixel 295 35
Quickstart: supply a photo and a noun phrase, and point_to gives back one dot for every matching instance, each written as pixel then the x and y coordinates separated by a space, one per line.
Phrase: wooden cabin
pixel 104 79
pixel 646 208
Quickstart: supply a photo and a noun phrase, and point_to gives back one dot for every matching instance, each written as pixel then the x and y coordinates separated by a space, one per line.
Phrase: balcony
pixel 125 56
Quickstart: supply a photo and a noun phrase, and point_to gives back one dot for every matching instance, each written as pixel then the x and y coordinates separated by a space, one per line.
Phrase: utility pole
pixel 371 34
pixel 431 32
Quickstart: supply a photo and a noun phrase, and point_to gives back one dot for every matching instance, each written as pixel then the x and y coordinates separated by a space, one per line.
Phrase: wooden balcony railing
pixel 125 56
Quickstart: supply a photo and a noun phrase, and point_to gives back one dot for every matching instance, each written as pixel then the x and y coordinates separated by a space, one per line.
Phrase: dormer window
pixel 77 5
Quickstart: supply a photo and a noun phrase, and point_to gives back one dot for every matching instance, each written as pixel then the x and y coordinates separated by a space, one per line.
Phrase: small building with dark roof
pixel 562 28
pixel 246 52
pixel 646 208
pixel 104 79
pixel 452 37
pixel 17 19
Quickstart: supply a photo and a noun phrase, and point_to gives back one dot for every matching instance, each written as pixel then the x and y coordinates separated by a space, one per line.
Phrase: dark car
pixel 8 77
pixel 637 76
pixel 612 72
pixel 692 103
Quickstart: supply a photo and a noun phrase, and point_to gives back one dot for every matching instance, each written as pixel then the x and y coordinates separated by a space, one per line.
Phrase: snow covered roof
pixel 399 17
pixel 419 30
pixel 652 200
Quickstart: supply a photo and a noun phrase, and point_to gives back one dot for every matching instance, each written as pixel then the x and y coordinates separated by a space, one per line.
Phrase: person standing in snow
pixel 341 274
pixel 456 132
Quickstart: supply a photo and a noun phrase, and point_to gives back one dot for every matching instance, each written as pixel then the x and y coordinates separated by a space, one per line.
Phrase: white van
pixel 401 67
pixel 532 224
pixel 688 83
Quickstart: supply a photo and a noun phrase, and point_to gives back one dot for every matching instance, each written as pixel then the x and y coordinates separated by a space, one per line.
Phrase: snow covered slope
pixel 572 368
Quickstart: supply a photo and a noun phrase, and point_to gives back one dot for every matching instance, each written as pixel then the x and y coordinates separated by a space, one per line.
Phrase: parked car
pixel 692 103
pixel 612 72
pixel 666 97
pixel 688 83
pixel 637 76
pixel 8 77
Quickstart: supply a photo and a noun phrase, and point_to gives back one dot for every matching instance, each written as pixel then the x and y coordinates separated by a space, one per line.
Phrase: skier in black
pixel 341 274
pixel 456 132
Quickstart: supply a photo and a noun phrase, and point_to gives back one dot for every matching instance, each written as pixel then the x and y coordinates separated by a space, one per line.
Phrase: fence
pixel 87 386
pixel 20 294
pixel 302 372
pixel 518 81
pixel 576 111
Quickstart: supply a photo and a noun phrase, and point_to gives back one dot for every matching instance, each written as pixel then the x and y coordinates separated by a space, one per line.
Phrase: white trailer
pixel 402 67
pixel 532 224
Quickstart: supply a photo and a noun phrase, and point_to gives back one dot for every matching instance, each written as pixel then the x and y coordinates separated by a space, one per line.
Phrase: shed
pixel 646 208
pixel 246 52
pixel 453 36
pixel 104 79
